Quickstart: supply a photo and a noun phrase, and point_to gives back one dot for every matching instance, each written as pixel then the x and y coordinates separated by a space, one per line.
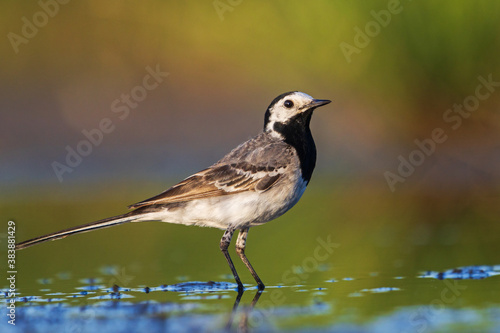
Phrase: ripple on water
pixel 464 273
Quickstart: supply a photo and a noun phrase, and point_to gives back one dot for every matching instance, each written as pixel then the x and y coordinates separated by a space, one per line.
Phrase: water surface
pixel 339 261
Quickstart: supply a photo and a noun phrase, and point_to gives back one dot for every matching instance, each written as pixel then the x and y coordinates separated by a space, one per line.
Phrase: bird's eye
pixel 288 104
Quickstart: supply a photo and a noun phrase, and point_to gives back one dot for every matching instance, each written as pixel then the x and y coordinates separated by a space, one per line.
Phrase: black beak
pixel 317 103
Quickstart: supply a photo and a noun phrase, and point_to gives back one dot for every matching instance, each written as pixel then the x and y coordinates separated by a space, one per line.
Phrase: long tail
pixel 108 222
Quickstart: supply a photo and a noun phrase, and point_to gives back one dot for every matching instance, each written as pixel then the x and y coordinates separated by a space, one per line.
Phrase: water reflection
pixel 243 323
pixel 465 273
pixel 395 303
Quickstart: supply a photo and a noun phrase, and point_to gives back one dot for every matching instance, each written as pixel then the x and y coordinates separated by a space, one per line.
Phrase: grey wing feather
pixel 255 165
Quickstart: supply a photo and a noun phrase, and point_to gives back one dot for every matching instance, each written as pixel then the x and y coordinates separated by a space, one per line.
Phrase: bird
pixel 255 183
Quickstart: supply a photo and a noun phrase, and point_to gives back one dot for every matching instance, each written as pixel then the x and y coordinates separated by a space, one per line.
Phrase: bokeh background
pixel 226 62
pixel 224 69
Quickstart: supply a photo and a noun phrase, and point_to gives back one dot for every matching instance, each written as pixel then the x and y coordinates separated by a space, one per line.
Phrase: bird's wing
pixel 255 165
pixel 218 180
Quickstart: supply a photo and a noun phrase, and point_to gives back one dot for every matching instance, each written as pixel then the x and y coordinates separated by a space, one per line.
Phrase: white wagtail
pixel 256 182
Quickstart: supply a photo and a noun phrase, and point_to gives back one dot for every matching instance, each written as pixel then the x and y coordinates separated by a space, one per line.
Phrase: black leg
pixel 224 244
pixel 240 249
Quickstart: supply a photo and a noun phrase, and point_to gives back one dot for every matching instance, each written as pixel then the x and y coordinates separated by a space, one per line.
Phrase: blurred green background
pixel 226 63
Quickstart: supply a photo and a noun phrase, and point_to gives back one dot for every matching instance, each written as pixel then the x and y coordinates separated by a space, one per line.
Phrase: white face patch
pixel 287 107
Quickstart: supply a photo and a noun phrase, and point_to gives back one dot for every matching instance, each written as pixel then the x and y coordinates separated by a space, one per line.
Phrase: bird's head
pixel 290 107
